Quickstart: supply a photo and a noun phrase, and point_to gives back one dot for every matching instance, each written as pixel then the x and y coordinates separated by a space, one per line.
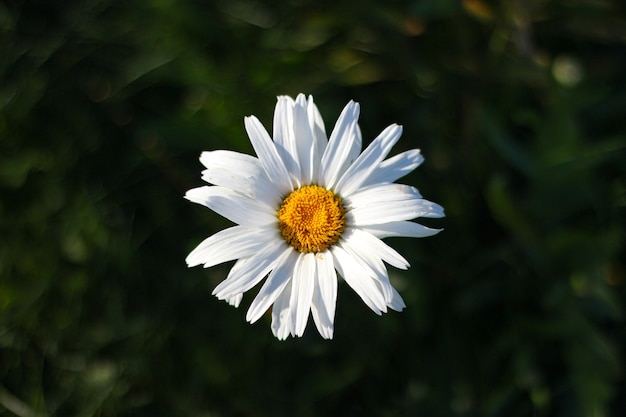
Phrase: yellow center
pixel 311 219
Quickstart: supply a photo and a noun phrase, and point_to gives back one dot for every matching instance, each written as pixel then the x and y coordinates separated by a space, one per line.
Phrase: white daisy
pixel 307 208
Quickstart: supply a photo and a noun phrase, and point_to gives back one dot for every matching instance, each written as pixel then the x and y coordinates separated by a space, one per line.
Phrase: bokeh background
pixel 515 309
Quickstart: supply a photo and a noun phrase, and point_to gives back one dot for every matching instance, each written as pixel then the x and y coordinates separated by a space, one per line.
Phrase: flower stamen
pixel 311 219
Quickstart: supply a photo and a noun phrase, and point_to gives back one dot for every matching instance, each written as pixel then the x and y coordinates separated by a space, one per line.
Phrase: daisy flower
pixel 307 208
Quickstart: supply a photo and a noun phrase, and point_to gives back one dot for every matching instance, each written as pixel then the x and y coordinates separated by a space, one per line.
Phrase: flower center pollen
pixel 311 219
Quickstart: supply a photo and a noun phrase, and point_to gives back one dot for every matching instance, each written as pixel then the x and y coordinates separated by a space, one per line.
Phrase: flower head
pixel 305 209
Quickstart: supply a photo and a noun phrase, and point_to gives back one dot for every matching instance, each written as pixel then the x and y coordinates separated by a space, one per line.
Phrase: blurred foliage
pixel 516 309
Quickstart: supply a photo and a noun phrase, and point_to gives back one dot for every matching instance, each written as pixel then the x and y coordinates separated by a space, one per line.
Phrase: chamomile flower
pixel 307 209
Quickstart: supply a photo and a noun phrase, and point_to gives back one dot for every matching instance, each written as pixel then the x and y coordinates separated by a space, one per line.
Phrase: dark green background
pixel 516 309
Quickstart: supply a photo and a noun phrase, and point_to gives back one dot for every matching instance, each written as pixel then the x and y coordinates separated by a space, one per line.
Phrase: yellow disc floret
pixel 311 219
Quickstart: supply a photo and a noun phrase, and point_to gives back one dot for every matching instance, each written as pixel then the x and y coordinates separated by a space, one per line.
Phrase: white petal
pixel 305 143
pixel 228 244
pixel 369 260
pixel 240 164
pixel 392 211
pixel 273 286
pixel 283 120
pixel 396 303
pixel 431 210
pixel 234 206
pixel 248 272
pixel 284 137
pixel 303 284
pixel 355 149
pixel 358 279
pixel 281 314
pixel 317 123
pixel 400 229
pixel 381 193
pixel 268 155
pixel 340 147
pixel 367 162
pixel 395 167
pixel 319 136
pixel 325 295
pixel 235 300
pixel 374 244
pixel 239 172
